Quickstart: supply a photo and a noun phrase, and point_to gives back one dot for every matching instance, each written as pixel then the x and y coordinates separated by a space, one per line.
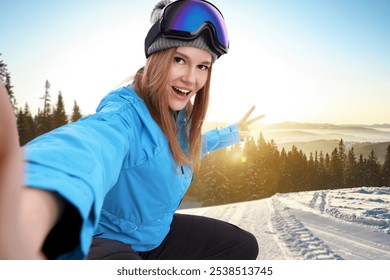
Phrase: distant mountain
pixel 312 137
pixel 383 125
pixel 306 125
pixel 321 126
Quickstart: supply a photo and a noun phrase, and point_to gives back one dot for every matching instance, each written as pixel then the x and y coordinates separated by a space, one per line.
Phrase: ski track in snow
pixel 351 224
pixel 299 240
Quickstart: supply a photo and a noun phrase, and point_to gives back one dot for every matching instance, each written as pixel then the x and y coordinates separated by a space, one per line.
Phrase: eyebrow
pixel 206 62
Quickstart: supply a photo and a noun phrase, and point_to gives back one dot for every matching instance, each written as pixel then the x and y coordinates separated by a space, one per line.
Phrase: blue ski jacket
pixel 117 169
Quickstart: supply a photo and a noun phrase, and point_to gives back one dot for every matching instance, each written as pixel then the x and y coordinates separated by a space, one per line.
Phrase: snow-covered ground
pixel 350 224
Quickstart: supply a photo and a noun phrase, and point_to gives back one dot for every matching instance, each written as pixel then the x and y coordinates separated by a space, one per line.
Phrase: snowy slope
pixel 329 224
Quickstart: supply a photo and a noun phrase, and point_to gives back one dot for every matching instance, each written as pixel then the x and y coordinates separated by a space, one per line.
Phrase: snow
pixel 342 224
pixel 345 224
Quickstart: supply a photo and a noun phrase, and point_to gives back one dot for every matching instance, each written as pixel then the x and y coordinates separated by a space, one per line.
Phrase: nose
pixel 189 75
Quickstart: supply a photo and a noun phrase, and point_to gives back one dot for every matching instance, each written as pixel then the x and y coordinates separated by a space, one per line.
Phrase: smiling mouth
pixel 181 92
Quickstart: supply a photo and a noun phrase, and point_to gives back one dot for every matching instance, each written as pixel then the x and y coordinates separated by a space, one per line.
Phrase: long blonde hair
pixel 150 84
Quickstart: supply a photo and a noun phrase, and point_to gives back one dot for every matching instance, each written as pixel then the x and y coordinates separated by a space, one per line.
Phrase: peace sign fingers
pixel 248 114
pixel 244 123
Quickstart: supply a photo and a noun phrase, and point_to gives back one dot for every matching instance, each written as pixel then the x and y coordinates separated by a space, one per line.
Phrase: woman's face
pixel 187 75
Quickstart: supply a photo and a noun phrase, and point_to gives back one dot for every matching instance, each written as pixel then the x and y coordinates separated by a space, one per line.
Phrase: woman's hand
pixel 244 123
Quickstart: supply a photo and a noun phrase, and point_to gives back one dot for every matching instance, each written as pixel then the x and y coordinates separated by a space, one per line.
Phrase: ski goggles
pixel 188 19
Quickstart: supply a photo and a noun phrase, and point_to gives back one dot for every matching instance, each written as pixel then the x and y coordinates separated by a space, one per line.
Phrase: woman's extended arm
pixel 26 215
pixel 220 138
pixel 68 172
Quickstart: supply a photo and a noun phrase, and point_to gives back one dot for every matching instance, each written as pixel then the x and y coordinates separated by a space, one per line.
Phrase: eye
pixel 203 67
pixel 179 60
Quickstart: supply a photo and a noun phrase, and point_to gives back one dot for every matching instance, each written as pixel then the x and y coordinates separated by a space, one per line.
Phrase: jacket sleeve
pixel 220 138
pixel 80 161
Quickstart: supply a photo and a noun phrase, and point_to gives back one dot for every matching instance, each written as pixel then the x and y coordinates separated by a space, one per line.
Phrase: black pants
pixel 191 237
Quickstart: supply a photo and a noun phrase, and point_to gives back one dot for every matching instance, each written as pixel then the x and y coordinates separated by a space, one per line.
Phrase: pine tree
pixel 215 188
pixel 3 69
pixel 373 170
pixel 43 118
pixel 295 170
pixel 336 171
pixel 261 143
pixel 342 152
pixel 386 169
pixel 26 125
pixel 283 173
pixel 343 160
pixel 361 172
pixel 5 77
pixel 76 113
pixel 46 99
pixel 249 170
pixel 59 115
pixel 351 170
pixel 311 179
pixel 236 171
pixel 323 171
pixel 271 169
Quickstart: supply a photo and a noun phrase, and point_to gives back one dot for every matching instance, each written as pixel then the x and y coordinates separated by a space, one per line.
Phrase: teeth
pixel 181 91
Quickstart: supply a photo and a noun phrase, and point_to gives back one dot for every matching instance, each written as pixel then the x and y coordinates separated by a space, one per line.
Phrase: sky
pixel 324 61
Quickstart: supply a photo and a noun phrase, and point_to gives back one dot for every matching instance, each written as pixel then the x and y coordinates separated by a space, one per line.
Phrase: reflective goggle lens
pixel 188 19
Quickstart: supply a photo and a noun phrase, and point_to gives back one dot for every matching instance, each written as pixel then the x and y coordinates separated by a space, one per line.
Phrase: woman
pixel 116 178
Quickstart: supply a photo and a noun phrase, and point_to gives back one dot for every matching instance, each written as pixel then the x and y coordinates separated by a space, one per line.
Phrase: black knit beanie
pixel 163 43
